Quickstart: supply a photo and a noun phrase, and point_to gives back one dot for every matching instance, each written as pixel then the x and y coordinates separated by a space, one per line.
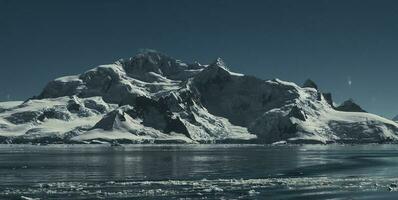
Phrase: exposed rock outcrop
pixel 310 84
pixel 350 106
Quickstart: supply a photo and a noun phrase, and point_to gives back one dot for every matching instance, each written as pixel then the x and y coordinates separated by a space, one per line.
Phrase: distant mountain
pixel 350 106
pixel 395 118
pixel 154 98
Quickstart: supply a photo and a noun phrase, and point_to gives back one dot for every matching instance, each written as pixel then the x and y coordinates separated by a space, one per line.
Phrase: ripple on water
pixel 281 188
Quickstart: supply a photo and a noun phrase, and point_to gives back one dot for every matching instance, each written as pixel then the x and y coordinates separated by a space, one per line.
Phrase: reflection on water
pixel 198 171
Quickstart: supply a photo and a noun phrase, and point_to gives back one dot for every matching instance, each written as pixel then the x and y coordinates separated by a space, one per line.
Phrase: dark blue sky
pixel 331 42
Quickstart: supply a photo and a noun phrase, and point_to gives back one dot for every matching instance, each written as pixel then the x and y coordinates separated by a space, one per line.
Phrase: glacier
pixel 154 98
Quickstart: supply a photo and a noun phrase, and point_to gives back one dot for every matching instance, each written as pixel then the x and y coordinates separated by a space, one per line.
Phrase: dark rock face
pixel 157 114
pixel 24 117
pixel 275 128
pixel 153 113
pixel 152 61
pixel 94 105
pixel 176 125
pixel 53 113
pixel 143 65
pixel 349 106
pixel 328 98
pixel 241 105
pixel 104 81
pixel 241 99
pixel 99 82
pixel 297 113
pixel 107 122
pixel 58 88
pixel 73 106
pixel 358 133
pixel 310 84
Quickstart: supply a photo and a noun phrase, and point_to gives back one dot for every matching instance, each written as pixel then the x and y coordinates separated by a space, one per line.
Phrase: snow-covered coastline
pixel 153 98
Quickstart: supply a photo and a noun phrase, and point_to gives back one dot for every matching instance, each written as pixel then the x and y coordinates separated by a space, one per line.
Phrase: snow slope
pixel 152 98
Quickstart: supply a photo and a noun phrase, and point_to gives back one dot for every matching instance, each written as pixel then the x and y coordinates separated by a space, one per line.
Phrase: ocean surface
pixel 213 171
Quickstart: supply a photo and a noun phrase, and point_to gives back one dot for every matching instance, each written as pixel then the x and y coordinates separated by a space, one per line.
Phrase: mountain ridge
pixel 152 97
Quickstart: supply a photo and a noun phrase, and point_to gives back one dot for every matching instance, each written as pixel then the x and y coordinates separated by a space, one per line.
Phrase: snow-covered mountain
pixel 152 97
pixel 395 118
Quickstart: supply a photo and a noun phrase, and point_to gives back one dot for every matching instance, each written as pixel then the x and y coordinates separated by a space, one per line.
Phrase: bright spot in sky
pixel 349 81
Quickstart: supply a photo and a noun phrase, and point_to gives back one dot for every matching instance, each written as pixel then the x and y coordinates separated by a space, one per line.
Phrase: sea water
pixel 210 171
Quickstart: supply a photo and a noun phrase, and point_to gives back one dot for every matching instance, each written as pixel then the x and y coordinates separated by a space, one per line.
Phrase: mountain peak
pixel 350 106
pixel 150 61
pixel 150 53
pixel 219 62
pixel 147 56
pixel 218 66
pixel 216 69
pixel 310 84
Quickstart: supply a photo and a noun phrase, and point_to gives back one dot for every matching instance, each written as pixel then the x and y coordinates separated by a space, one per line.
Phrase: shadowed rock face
pixel 328 98
pixel 152 61
pixel 152 66
pixel 154 96
pixel 310 84
pixel 23 117
pixel 241 99
pixel 152 113
pixel 297 113
pixel 350 106
pixel 57 88
pixel 53 113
